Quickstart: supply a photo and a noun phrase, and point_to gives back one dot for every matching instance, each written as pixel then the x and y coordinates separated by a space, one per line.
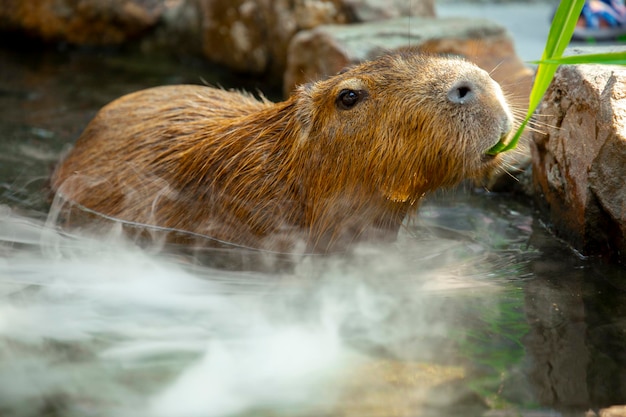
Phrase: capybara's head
pixel 406 123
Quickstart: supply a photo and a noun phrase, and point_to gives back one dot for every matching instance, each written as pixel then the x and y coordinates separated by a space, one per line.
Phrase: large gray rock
pixel 579 158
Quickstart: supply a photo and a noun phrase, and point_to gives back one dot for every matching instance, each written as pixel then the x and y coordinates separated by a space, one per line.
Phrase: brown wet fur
pixel 302 173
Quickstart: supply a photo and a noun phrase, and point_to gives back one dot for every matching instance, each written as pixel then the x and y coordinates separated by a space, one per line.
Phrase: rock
pixel 249 36
pixel 92 22
pixel 370 10
pixel 252 36
pixel 325 50
pixel 579 159
pixel 179 30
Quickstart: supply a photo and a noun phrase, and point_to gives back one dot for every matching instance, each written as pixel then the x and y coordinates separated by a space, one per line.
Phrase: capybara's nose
pixel 462 92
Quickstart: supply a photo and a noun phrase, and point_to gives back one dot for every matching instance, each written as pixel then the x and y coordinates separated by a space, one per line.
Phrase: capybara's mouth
pixel 488 158
pixel 501 145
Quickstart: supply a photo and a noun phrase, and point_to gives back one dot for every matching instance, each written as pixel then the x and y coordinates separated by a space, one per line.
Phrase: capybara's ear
pixel 306 88
pixel 305 108
pixel 345 69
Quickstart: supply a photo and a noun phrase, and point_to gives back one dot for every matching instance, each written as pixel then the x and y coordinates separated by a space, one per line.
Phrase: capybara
pixel 342 160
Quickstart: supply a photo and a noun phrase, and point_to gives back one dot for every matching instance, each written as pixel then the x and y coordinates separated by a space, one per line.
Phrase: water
pixel 475 311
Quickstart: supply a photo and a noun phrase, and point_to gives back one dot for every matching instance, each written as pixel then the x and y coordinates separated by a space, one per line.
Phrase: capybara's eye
pixel 348 98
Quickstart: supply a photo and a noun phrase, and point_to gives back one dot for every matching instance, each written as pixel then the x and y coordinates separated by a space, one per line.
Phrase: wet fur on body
pixel 318 168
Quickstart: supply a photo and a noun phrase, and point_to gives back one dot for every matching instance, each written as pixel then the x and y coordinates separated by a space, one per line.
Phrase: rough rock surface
pixel 370 10
pixel 253 35
pixel 179 29
pixel 93 22
pixel 327 49
pixel 249 36
pixel 578 163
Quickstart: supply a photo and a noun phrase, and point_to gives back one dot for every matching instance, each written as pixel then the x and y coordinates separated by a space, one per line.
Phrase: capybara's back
pixel 340 161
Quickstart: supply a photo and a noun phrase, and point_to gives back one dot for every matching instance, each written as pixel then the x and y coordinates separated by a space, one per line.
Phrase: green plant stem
pixel 561 31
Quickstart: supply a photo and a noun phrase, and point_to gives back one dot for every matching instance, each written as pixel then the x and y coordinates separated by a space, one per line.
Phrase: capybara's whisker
pixel 507 168
pixel 494 69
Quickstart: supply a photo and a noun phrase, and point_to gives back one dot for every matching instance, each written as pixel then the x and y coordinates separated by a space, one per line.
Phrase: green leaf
pixel 609 58
pixel 561 31
pixel 562 27
pixel 504 146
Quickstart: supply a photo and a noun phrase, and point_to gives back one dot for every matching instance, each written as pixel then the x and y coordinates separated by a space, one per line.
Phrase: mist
pixel 99 326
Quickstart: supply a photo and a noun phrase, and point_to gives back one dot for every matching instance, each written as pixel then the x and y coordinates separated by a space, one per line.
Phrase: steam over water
pixel 98 326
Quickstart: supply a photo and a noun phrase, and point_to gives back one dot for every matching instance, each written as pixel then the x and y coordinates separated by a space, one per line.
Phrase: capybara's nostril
pixel 462 92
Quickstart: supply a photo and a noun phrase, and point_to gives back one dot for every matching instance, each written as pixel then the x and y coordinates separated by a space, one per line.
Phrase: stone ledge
pixel 579 158
pixel 478 40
